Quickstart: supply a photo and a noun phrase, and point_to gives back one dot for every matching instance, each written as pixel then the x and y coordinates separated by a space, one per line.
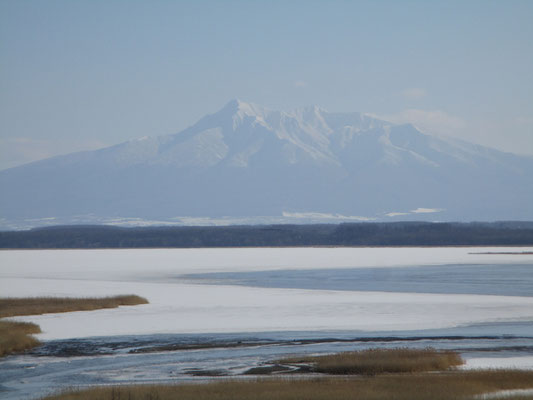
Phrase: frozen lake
pixel 491 279
pixel 243 307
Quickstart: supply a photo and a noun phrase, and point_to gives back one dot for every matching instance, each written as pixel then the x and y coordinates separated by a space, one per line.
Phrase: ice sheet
pixel 517 393
pixel 524 362
pixel 151 263
pixel 177 307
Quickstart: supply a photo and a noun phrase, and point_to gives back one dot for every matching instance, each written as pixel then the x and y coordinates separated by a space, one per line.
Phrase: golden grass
pixel 427 386
pixel 11 306
pixel 379 361
pixel 15 337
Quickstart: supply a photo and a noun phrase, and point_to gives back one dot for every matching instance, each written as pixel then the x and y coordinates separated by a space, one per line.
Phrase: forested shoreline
pixel 346 234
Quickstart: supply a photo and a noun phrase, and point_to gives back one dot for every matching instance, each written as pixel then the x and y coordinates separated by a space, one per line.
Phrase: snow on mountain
pixel 249 161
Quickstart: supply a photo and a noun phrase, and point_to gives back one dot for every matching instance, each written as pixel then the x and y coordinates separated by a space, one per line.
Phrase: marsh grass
pixel 16 337
pixel 379 361
pixel 420 386
pixel 11 306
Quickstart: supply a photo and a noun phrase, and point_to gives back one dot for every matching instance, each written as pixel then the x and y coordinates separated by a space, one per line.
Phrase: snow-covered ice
pixel 198 308
pixel 506 393
pixel 183 308
pixel 523 362
pixel 131 264
pixel 180 307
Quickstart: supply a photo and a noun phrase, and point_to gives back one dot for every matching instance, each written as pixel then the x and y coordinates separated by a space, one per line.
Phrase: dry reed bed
pixel 11 306
pixel 426 386
pixel 15 337
pixel 379 361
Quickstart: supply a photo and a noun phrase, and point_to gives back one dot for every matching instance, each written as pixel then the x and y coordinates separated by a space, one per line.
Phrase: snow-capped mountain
pixel 246 161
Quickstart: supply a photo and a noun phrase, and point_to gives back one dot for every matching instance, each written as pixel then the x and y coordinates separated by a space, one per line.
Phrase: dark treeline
pixel 348 234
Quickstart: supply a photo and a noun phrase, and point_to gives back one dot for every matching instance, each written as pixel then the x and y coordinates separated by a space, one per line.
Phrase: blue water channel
pixel 491 279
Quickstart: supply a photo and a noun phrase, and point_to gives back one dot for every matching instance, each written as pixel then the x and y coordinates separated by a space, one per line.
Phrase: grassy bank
pixel 378 361
pixel 16 337
pixel 11 306
pixel 442 386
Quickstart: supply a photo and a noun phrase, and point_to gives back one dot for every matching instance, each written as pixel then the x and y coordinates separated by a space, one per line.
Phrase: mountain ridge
pixel 246 160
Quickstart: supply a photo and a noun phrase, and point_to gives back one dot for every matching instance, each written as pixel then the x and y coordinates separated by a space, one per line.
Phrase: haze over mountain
pixel 248 163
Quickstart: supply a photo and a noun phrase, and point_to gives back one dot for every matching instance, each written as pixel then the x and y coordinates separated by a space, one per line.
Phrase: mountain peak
pixel 236 105
pixel 239 110
pixel 247 160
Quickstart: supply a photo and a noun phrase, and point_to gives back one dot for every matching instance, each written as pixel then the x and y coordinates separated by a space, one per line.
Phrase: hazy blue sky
pixel 83 74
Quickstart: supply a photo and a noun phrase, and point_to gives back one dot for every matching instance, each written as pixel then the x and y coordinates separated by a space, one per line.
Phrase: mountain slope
pixel 248 161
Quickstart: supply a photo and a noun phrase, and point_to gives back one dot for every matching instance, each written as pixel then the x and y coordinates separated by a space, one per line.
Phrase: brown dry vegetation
pixel 11 306
pixel 379 361
pixel 428 386
pixel 16 337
